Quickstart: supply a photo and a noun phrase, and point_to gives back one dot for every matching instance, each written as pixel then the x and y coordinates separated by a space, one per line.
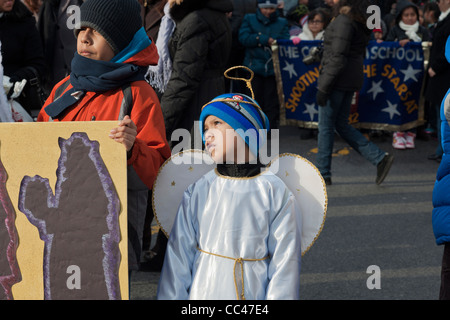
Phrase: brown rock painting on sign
pixel 79 223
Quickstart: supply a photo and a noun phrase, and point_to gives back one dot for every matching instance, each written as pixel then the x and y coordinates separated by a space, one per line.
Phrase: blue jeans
pixel 335 116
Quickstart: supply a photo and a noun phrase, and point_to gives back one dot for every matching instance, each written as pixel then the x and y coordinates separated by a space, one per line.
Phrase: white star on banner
pixel 376 88
pixel 311 109
pixel 290 68
pixel 392 110
pixel 410 73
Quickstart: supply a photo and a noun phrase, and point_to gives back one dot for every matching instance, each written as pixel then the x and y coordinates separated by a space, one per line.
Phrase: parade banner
pixel 390 99
pixel 63 192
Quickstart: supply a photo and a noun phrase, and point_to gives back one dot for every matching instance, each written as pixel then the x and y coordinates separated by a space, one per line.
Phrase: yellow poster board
pixel 35 149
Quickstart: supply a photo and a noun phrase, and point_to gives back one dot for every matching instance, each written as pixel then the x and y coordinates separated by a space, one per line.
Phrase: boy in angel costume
pixel 238 228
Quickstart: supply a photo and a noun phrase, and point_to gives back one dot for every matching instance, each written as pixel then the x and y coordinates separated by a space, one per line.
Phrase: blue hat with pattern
pixel 240 112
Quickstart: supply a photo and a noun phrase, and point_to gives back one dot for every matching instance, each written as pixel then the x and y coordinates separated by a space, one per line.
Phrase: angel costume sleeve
pixel 234 238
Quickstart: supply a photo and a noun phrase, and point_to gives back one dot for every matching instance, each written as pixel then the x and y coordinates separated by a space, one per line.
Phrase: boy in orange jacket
pixel 107 83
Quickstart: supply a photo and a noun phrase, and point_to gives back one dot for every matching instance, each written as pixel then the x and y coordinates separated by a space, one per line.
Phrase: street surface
pixel 385 228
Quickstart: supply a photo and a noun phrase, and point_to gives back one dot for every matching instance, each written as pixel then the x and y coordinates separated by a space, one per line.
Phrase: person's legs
pixel 273 107
pixel 325 138
pixel 265 90
pixel 354 137
pixel 444 293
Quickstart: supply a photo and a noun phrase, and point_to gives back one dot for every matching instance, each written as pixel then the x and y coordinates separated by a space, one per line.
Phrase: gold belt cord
pixel 237 261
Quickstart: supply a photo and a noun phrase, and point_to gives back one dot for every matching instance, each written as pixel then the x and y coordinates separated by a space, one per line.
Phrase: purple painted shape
pixel 40 225
pixel 110 240
pixel 8 280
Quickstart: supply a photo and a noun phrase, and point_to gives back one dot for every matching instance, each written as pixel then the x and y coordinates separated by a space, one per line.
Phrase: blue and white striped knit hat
pixel 240 112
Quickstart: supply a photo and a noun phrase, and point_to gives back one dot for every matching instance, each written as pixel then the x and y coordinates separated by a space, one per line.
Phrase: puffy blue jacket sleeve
pixel 441 194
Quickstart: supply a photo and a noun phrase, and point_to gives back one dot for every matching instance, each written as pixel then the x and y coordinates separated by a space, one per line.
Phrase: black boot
pixel 383 167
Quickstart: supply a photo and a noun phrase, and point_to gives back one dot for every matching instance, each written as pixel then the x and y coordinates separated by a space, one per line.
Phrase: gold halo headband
pixel 248 82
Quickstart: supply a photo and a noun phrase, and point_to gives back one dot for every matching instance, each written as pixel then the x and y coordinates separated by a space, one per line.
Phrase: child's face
pixel 409 16
pixel 267 11
pixel 92 45
pixel 316 24
pixel 223 143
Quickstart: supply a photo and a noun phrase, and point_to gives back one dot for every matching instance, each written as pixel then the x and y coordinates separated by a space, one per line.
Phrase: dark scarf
pixel 245 170
pixel 95 76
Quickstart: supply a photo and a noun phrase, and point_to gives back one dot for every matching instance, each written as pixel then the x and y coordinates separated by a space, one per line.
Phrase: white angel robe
pixel 228 225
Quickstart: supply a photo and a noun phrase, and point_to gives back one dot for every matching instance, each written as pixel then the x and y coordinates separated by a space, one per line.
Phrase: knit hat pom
pixel 243 114
pixel 116 20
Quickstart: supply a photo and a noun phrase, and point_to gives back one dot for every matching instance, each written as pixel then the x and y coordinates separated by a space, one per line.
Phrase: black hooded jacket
pixel 438 85
pixel 345 42
pixel 200 48
pixel 21 44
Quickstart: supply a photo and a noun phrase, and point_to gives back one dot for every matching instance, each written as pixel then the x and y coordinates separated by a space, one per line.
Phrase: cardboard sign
pixel 63 195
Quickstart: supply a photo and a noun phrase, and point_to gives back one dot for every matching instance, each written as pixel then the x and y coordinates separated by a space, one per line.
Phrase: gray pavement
pixel 387 226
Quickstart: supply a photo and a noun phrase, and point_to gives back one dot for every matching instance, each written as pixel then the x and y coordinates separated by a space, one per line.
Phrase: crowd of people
pixel 45 52
pixel 182 48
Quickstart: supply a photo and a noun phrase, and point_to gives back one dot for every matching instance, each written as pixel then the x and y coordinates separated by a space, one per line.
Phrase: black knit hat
pixel 116 20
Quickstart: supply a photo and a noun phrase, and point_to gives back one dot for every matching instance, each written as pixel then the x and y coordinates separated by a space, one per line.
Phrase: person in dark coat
pixel 199 48
pixel 257 34
pixel 341 75
pixel 240 9
pixel 439 69
pixel 23 56
pixel 58 40
pixel 34 6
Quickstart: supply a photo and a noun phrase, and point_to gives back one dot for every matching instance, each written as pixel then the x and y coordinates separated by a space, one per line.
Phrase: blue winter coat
pixel 254 34
pixel 441 192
